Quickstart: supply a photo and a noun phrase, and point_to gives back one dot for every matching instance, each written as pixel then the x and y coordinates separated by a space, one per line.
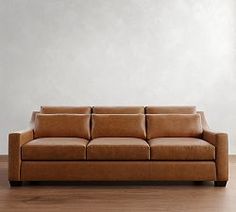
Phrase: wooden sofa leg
pixel 220 183
pixel 15 183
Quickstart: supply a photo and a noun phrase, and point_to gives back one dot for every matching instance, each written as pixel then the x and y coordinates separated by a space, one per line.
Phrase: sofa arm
pixel 16 140
pixel 220 141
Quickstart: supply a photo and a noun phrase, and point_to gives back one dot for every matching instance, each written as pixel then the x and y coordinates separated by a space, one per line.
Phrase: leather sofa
pixel 153 143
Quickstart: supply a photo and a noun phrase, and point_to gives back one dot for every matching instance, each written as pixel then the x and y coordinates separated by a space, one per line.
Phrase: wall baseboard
pixel 4 158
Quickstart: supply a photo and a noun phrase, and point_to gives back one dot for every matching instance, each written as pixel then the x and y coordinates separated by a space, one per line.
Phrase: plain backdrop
pixel 117 52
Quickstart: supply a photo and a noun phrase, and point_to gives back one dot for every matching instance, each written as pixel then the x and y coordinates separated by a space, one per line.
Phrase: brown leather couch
pixel 118 144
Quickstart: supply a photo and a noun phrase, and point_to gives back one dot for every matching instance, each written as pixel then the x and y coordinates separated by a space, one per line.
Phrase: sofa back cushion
pixel 65 109
pixel 62 125
pixel 118 110
pixel 118 125
pixel 170 109
pixel 174 125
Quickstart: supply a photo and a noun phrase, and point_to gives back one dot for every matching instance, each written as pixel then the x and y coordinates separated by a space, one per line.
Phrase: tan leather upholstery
pixel 170 109
pixel 118 149
pixel 182 170
pixel 62 125
pixel 61 150
pixel 220 141
pixel 181 149
pixel 173 125
pixel 119 110
pixel 118 125
pixel 118 170
pixel 15 141
pixel 55 149
pixel 65 109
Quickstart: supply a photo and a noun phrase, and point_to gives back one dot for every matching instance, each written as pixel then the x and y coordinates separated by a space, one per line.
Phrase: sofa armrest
pixel 220 141
pixel 16 140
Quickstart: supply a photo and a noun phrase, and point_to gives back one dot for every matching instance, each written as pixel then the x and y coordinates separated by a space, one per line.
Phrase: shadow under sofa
pixel 153 143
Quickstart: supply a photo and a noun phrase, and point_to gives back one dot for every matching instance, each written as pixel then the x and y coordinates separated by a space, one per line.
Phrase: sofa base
pixel 118 171
pixel 114 183
pixel 15 183
pixel 220 183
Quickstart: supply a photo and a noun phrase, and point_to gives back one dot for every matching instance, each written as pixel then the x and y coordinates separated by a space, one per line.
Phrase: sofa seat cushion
pixel 55 149
pixel 111 148
pixel 181 149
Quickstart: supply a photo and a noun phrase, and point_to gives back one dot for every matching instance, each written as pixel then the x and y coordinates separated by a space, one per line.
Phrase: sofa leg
pixel 220 183
pixel 15 183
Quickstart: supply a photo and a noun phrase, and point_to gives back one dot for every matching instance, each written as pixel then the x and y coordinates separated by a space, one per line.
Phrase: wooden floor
pixel 181 197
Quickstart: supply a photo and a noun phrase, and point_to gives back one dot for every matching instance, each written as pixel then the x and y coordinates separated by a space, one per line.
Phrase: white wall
pixel 117 52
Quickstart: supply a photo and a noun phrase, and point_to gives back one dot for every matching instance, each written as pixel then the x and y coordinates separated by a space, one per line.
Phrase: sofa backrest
pixel 173 125
pixel 121 121
pixel 170 109
pixel 65 109
pixel 62 125
pixel 118 110
pixel 118 125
